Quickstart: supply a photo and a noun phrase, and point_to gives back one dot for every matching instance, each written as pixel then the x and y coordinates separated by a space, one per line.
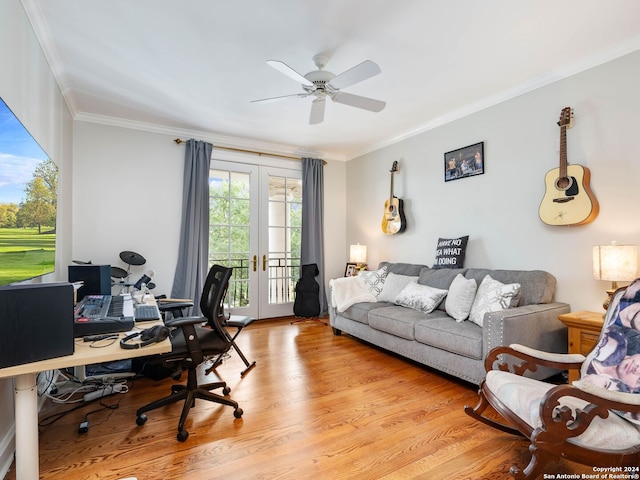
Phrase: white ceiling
pixel 192 67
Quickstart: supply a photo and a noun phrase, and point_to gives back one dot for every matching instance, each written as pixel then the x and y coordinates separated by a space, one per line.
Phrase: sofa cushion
pixel 396 320
pixel 420 297
pixel 536 286
pixel 439 278
pixel 393 285
pixel 360 311
pixel 492 296
pixel 441 331
pixel 411 269
pixel 451 252
pixel 462 293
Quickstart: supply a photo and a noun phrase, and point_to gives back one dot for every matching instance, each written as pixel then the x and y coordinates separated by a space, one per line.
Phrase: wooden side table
pixel 584 331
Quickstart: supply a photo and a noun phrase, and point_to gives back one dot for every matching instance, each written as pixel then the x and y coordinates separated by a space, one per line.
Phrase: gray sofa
pixel 459 348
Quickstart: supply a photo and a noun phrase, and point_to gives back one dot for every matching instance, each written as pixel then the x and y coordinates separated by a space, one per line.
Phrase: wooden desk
pixel 26 392
pixel 584 331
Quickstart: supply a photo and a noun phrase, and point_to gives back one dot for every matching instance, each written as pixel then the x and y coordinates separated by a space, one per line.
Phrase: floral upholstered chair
pixel 596 420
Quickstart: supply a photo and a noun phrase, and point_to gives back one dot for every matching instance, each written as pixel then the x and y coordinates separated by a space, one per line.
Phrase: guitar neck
pixel 563 151
pixel 391 190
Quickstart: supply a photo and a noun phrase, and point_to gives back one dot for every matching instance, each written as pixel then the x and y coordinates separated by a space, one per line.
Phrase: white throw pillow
pixel 492 296
pixel 374 280
pixel 462 293
pixel 420 297
pixel 393 285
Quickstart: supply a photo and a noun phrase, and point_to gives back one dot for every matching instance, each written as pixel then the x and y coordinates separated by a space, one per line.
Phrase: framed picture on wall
pixel 351 270
pixel 464 162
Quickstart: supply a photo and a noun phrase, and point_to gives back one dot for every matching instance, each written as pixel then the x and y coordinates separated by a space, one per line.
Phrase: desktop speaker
pixel 36 322
pixel 96 278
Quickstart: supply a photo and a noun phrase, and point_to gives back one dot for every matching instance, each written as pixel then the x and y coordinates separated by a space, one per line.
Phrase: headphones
pixel 155 334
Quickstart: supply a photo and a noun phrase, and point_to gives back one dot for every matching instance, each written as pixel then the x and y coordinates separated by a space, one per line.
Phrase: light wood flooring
pixel 316 406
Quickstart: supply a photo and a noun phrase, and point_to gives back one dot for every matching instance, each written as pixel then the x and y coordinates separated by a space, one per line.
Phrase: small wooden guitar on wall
pixel 568 199
pixel 393 220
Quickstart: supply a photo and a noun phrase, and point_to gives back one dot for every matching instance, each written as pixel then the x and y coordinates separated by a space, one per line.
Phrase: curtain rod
pixel 179 141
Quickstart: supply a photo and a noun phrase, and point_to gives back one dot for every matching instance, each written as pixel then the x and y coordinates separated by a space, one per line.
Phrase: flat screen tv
pixel 28 203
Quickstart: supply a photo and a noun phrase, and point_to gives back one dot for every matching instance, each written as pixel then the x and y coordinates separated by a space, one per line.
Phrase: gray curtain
pixel 193 262
pixel 312 248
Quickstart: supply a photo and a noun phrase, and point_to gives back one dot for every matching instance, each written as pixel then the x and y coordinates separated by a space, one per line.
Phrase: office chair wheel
pixel 182 435
pixel 238 412
pixel 226 390
pixel 141 420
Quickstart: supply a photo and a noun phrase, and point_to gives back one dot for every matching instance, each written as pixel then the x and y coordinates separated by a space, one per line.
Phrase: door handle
pixel 264 263
pixel 255 263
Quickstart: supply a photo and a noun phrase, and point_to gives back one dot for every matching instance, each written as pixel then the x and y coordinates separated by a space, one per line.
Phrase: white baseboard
pixel 7 449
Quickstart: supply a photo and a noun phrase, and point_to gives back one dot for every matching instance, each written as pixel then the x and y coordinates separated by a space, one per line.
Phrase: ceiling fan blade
pixel 365 103
pixel 366 69
pixel 289 72
pixel 270 99
pixel 317 111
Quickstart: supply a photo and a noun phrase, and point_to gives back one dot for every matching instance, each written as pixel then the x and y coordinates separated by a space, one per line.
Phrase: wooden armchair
pixel 577 422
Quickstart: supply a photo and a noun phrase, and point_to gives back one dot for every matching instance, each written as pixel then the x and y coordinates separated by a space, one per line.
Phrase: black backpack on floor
pixel 307 303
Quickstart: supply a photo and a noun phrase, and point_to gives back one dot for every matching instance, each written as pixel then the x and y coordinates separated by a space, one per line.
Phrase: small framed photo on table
pixel 351 270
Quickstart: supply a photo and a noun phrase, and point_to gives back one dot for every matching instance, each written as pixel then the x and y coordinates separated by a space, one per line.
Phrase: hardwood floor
pixel 315 406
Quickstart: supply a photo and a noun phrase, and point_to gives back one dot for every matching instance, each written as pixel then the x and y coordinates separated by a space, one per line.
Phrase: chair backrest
pixel 213 293
pixel 612 364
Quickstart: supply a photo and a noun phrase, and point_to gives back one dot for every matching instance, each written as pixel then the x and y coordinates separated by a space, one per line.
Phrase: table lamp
pixel 358 255
pixel 615 263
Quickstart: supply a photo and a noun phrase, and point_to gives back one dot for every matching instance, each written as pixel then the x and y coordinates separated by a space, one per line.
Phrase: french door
pixel 255 218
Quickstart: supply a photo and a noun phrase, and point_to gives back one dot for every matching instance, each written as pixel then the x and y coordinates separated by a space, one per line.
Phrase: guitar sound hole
pixel 563 183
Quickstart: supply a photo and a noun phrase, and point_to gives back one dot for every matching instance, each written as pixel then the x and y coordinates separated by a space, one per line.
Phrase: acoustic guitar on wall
pixel 568 199
pixel 393 220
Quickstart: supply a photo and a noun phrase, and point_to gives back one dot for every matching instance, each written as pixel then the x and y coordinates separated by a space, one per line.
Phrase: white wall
pixel 499 210
pixel 128 187
pixel 29 89
pixel 128 190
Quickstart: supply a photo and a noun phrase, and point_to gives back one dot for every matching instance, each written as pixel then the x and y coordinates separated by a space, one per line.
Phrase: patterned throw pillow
pixel 374 280
pixel 393 285
pixel 450 252
pixel 420 297
pixel 614 363
pixel 492 296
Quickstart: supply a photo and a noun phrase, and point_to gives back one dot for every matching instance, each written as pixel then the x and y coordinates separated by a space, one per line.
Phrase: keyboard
pixel 98 307
pixel 144 312
pixel 100 314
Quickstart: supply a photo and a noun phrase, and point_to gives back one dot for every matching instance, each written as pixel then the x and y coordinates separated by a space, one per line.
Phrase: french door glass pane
pixel 229 232
pixel 285 208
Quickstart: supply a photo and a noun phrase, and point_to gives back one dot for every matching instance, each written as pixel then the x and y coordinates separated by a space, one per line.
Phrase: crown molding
pixel 597 59
pixel 218 140
pixel 41 30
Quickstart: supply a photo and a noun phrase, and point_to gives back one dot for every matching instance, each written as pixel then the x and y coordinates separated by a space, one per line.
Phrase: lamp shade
pixel 615 263
pixel 358 253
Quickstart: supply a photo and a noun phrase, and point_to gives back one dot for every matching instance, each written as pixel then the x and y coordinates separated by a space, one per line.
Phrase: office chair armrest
pixel 173 304
pixel 180 321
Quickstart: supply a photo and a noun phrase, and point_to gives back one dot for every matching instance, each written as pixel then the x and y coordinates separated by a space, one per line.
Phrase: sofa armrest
pixel 535 326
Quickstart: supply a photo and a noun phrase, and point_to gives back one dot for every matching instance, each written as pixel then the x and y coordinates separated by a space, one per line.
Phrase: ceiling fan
pixel 322 84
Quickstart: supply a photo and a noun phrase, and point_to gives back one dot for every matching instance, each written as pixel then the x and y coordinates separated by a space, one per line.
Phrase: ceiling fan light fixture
pixel 322 83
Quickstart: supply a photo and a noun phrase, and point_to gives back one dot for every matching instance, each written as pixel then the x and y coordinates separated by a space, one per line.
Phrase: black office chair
pixel 176 307
pixel 238 322
pixel 201 341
